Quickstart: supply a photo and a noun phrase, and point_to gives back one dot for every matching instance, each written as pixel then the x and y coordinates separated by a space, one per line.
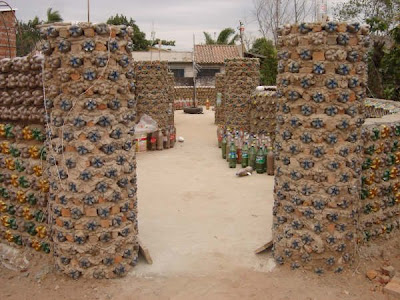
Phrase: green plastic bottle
pixel 252 157
pixel 223 147
pixel 232 156
pixel 260 161
pixel 245 155
pixel 266 154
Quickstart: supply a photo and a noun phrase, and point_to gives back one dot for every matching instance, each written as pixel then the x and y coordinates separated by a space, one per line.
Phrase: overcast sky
pixel 173 19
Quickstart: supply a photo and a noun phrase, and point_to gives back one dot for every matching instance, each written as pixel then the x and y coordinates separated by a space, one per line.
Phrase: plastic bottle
pixel 260 161
pixel 238 147
pixel 265 154
pixel 159 140
pixel 172 136
pixel 207 104
pixel 223 147
pixel 232 156
pixel 153 141
pixel 245 155
pixel 270 162
pixel 252 157
pixel 164 139
pixel 168 143
pixel 228 142
pixel 219 136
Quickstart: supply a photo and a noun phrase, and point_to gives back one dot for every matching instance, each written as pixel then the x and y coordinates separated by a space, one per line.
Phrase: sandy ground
pixel 201 225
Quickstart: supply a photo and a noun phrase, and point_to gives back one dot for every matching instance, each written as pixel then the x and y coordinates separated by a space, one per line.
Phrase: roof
pixel 215 54
pixel 170 56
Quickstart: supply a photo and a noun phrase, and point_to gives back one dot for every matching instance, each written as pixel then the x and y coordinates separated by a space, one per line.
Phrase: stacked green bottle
pixel 252 157
pixel 245 155
pixel 223 147
pixel 232 156
pixel 260 161
pixel 265 154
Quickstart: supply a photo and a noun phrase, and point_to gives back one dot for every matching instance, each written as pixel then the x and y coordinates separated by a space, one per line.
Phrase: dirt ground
pixel 201 225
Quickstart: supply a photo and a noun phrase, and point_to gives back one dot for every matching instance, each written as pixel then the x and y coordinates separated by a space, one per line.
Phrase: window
pixel 208 72
pixel 178 73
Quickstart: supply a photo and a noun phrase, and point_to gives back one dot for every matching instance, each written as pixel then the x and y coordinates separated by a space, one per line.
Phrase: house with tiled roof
pixel 210 61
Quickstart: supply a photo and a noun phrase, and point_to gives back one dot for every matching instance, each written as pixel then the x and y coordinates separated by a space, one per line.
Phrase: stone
pixel 388 271
pixel 372 274
pixel 382 279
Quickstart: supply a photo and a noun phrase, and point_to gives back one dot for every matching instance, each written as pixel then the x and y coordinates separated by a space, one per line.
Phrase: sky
pixel 173 19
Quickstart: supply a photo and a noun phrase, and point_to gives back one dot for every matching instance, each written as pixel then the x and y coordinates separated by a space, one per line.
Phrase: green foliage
pixel 268 67
pixel 139 37
pixel 226 37
pixel 379 14
pixel 27 36
pixel 53 16
pixel 391 67
pixel 384 56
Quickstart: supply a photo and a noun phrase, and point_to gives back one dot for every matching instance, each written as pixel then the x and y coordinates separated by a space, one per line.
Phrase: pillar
pixel 89 83
pixel 321 88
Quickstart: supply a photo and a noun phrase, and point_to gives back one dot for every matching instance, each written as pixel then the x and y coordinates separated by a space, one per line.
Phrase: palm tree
pixel 223 37
pixel 53 16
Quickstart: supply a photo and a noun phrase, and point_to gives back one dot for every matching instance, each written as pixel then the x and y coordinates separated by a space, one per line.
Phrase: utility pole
pixel 88 11
pixel 194 71
pixel 241 29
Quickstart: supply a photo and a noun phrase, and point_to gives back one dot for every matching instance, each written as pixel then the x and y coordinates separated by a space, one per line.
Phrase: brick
pixel 115 210
pixel 76 48
pixel 318 55
pixel 392 289
pixel 91 212
pixel 101 47
pixel 65 212
pixel 371 274
pixel 69 238
pixel 342 27
pixel 64 33
pixel 79 226
pixel 105 223
pixel 118 259
pixel 89 32
pixel 353 41
pixel 331 40
pixel 75 76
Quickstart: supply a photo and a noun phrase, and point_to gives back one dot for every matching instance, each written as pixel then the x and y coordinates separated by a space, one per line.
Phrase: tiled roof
pixel 170 56
pixel 215 54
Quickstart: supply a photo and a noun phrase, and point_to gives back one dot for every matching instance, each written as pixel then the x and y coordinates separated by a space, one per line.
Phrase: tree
pixel 224 37
pixel 270 14
pixel 381 15
pixel 139 37
pixel 53 16
pixel 383 63
pixel 268 67
pixel 27 36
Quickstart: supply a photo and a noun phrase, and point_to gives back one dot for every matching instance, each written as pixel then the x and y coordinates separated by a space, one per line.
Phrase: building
pixel 8 38
pixel 209 60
